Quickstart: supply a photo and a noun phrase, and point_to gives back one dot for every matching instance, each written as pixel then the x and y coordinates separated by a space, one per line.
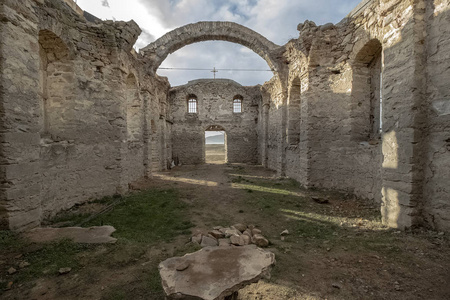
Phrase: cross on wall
pixel 214 72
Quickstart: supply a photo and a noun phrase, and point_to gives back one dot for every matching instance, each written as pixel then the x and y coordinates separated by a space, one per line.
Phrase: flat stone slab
pixel 214 272
pixel 90 235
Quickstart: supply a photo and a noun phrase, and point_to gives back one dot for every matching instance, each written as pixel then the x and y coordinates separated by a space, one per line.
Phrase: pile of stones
pixel 238 235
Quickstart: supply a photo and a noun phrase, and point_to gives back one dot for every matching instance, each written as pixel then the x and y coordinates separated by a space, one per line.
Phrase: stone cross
pixel 214 71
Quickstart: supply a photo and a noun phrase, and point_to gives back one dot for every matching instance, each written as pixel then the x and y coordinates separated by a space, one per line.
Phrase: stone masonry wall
pixel 394 52
pixel 215 107
pixel 73 120
pixel 361 106
pixel 273 96
pixel 437 168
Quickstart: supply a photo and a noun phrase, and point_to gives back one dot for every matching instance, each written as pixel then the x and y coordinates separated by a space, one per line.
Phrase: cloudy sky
pixel 275 19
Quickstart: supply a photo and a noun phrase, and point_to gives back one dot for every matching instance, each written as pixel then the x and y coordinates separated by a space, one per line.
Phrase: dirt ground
pixel 334 250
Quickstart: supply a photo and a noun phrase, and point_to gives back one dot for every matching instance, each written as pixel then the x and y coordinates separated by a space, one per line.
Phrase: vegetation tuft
pixel 147 217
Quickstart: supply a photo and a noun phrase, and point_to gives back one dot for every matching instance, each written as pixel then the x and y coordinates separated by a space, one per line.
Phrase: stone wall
pixel 74 102
pixel 437 166
pixel 274 124
pixel 215 108
pixel 332 135
pixel 361 106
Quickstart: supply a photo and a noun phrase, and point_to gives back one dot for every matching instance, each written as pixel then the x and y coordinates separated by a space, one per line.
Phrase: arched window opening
pixel 56 85
pixel 294 112
pixel 192 104
pixel 237 104
pixel 367 92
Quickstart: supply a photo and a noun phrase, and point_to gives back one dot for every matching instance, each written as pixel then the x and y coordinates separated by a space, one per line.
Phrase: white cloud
pixel 275 19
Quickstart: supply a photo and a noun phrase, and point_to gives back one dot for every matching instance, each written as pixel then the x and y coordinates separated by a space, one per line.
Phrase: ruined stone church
pixel 362 106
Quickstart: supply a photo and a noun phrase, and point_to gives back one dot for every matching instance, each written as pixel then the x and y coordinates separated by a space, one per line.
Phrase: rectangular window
pixel 237 106
pixel 192 106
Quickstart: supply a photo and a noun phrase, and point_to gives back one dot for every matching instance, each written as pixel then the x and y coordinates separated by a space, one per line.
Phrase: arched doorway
pixel 215 145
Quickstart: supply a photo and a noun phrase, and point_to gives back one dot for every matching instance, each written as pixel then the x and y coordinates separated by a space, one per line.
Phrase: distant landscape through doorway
pixel 215 145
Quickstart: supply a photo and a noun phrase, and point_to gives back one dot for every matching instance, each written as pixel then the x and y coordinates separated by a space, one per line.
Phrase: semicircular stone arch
pixel 215 128
pixel 176 39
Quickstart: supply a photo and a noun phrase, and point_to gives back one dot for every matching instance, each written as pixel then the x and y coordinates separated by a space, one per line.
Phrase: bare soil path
pixel 335 250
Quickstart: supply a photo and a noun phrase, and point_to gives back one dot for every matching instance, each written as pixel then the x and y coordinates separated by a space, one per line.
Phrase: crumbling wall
pixel 215 107
pixel 73 122
pixel 82 116
pixel 437 167
pixel 379 53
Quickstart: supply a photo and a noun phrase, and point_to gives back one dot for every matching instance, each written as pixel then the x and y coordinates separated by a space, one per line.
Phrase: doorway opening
pixel 215 145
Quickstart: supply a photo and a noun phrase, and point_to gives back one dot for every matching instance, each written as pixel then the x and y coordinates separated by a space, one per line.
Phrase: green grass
pixel 10 241
pixel 44 259
pixel 147 217
pixel 141 220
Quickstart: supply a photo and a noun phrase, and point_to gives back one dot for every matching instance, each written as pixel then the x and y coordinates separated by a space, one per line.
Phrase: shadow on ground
pixel 336 250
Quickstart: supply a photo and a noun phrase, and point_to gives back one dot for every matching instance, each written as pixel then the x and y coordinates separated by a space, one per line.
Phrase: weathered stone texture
pixel 83 115
pixel 273 95
pixel 339 68
pixel 215 108
pixel 207 31
pixel 437 169
pixel 67 110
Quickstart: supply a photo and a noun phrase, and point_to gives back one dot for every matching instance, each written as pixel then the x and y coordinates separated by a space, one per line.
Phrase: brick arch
pixel 215 128
pixel 211 31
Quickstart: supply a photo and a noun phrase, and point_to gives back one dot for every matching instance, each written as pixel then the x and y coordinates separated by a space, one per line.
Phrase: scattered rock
pixel 197 238
pixel 441 233
pixel 248 233
pixel 224 242
pixel 217 234
pixel 247 240
pixel 208 241
pixel 241 240
pixel 235 240
pixel 23 264
pixel 226 236
pixel 230 232
pixel 260 241
pixel 285 232
pixel 63 271
pixel 224 229
pixel 255 231
pixel 11 271
pixel 337 285
pixel 319 200
pixel 240 227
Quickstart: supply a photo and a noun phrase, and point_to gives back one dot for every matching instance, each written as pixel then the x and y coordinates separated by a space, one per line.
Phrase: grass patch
pixel 142 219
pixel 44 260
pixel 147 217
pixel 10 241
